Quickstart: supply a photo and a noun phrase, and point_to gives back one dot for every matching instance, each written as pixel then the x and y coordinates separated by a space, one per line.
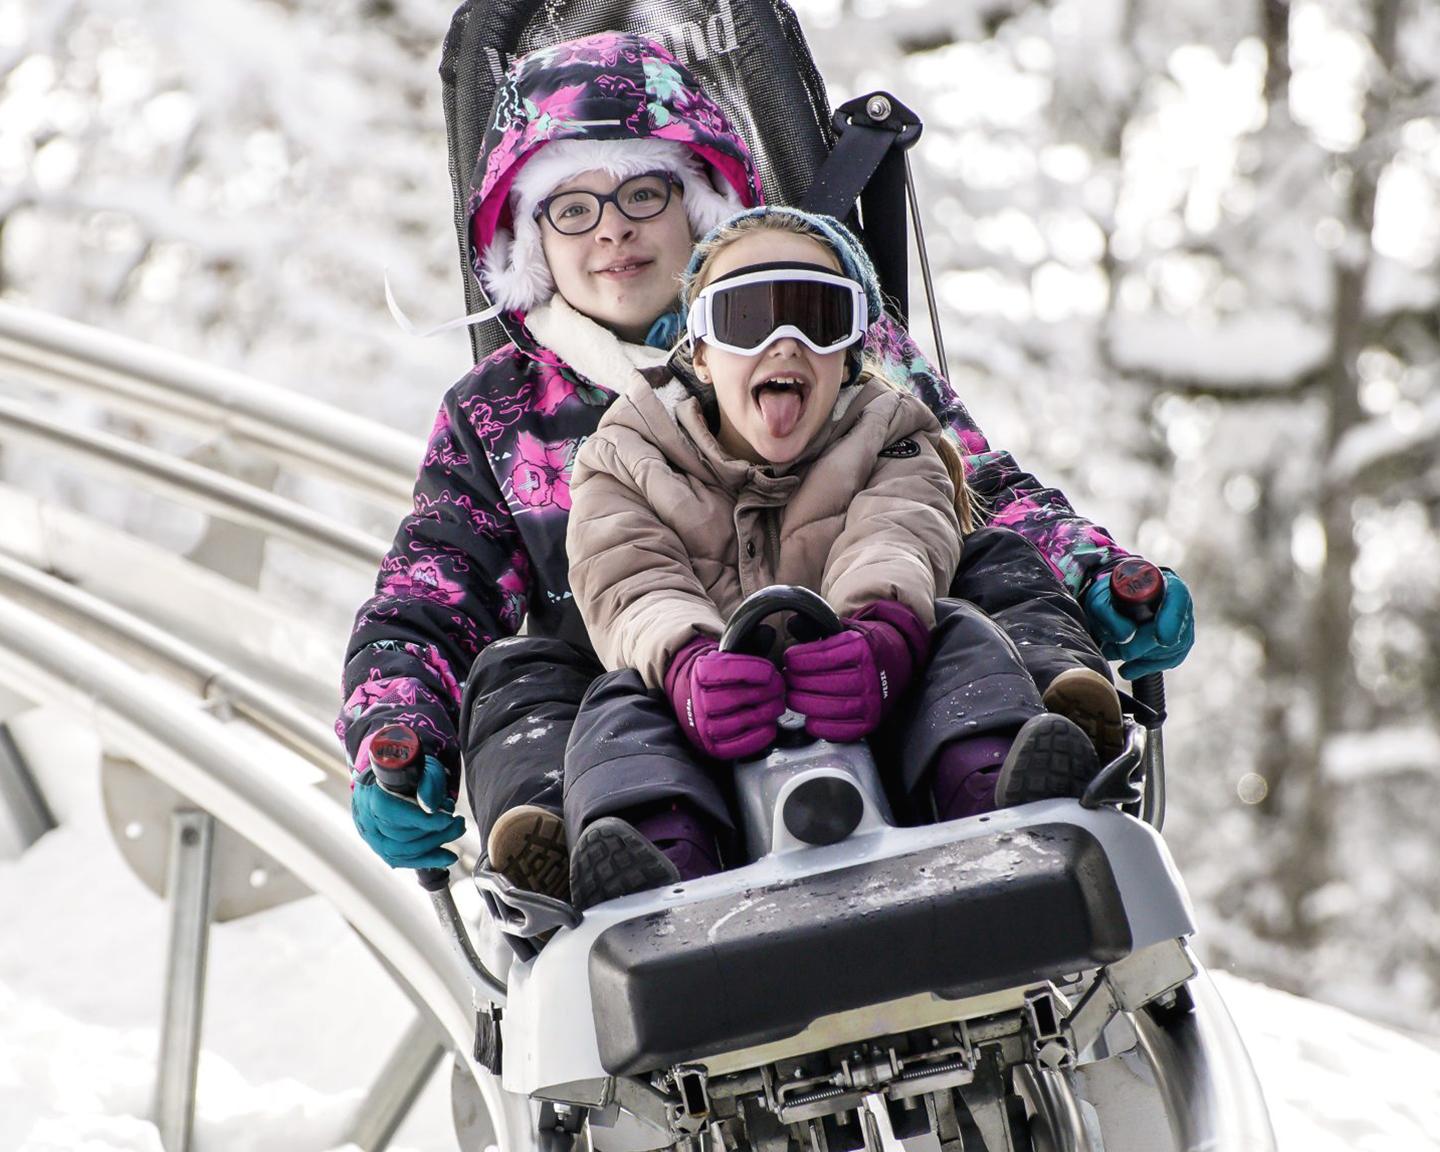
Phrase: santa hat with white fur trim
pixel 514 271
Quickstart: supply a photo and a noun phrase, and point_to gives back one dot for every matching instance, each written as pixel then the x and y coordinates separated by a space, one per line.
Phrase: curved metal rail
pixel 307 433
pixel 1203 1070
pixel 211 679
pixel 189 750
pixel 223 495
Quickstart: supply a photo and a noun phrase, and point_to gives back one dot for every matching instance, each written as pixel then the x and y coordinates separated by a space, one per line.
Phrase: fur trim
pixel 515 273
pixel 514 270
pixel 589 348
pixel 672 395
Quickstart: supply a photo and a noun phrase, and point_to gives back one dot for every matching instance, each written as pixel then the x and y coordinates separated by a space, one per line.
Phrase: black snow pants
pixel 1008 628
pixel 1005 576
pixel 518 708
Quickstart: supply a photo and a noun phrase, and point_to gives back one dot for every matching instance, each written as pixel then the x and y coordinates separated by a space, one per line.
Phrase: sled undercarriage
pixel 988 1080
pixel 671 979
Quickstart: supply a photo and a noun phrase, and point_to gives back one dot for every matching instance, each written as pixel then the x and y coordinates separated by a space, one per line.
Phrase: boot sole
pixel 1051 758
pixel 611 859
pixel 527 847
pixel 1089 701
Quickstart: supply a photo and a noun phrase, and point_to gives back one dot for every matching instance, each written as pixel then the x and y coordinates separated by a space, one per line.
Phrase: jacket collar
pixel 589 348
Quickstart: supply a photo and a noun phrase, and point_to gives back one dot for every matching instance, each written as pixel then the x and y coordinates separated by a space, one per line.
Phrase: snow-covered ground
pixel 299 1018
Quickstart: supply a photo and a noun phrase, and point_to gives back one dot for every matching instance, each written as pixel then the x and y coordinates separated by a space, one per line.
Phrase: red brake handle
pixel 396 760
pixel 1137 587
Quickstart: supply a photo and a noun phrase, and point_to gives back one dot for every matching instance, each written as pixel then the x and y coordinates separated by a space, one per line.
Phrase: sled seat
pixel 959 919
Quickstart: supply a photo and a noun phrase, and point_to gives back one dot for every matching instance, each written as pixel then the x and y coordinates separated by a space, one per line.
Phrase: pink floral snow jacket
pixel 484 545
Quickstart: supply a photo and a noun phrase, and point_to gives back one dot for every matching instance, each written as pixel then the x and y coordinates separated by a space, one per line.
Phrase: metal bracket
pixel 394 1091
pixel 138 808
pixel 692 1113
pixel 235 551
pixel 189 890
pixel 1124 986
pixel 25 815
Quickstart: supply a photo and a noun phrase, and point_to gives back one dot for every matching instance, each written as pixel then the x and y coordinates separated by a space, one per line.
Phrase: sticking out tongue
pixel 779 408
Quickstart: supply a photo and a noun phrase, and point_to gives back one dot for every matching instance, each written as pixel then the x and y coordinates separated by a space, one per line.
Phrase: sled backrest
pixel 749 55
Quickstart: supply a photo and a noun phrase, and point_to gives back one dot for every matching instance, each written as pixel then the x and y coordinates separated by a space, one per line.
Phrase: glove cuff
pixel 1097 580
pixel 908 626
pixel 898 641
pixel 677 676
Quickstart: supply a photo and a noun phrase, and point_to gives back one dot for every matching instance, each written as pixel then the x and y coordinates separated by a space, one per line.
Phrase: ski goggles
pixel 747 312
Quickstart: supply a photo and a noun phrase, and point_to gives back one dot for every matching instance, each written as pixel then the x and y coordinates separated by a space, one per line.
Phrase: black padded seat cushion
pixel 960 919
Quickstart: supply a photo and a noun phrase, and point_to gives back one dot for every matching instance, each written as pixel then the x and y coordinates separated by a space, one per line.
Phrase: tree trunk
pixel 1307 865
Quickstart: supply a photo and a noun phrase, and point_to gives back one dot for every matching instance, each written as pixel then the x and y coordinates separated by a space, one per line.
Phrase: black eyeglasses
pixel 641 197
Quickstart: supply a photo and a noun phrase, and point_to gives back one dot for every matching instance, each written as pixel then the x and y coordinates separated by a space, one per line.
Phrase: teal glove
pixel 1154 646
pixel 403 833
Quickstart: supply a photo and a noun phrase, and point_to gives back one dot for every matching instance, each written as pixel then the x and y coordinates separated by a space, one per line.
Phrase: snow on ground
pixel 1334 1082
pixel 299 1018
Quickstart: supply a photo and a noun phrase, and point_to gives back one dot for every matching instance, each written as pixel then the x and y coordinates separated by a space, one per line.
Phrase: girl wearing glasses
pixel 780 455
pixel 603 163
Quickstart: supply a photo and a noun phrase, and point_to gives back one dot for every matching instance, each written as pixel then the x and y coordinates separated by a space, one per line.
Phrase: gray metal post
pixel 22 804
pixel 191 844
pixel 398 1086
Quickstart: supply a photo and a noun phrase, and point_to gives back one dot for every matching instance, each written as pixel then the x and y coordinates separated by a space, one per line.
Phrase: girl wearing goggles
pixel 771 339
pixel 784 459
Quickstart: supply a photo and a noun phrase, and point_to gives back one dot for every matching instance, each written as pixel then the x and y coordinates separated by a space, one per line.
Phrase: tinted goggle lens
pixel 745 315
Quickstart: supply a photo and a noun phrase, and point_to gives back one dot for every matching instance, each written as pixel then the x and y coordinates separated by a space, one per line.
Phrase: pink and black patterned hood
pixel 611 86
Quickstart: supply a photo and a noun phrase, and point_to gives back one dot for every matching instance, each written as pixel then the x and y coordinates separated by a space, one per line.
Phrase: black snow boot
pixel 1051 757
pixel 610 859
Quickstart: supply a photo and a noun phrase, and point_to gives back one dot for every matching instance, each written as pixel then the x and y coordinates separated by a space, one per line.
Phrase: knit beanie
pixel 854 260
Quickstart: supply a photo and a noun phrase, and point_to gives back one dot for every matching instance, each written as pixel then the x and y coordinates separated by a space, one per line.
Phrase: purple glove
pixel 846 684
pixel 727 704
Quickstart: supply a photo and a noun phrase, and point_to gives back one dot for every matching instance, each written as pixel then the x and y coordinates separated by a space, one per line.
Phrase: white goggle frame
pixel 699 324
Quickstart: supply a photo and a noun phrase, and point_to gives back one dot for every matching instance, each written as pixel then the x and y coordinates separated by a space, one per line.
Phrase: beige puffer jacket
pixel 668 532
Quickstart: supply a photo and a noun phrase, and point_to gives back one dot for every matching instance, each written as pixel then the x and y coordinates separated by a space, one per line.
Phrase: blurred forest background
pixel 1188 263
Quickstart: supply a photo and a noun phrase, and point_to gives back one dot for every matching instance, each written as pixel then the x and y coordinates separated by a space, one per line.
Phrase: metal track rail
pixel 294 429
pixel 211 679
pixel 1204 1072
pixel 221 495
pixel 308 834
pixel 215 683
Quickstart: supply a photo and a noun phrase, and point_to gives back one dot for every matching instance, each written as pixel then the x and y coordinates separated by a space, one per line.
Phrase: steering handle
pixel 779 598
pixel 1137 588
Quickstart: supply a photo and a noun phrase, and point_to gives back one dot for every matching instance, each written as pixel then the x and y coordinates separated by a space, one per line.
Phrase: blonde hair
pixel 870 367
